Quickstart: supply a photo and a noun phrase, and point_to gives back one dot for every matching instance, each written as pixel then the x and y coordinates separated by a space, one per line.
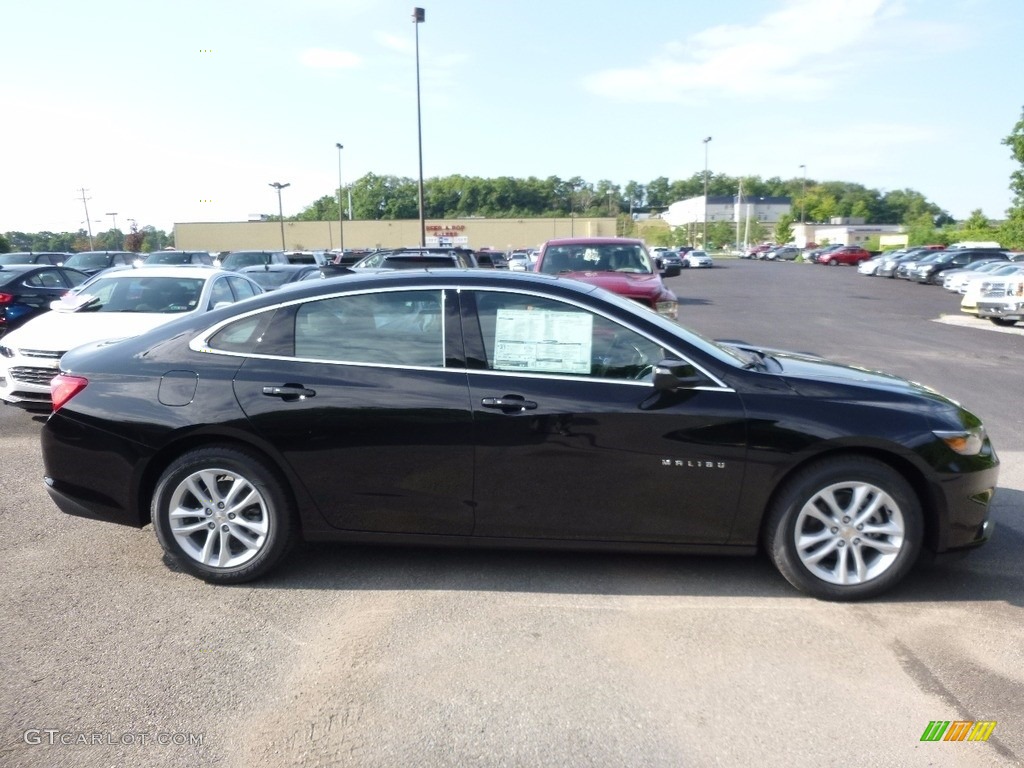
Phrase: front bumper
pixel 1008 310
pixel 27 386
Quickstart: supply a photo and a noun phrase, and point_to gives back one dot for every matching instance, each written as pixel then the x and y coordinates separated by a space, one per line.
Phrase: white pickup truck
pixel 1003 304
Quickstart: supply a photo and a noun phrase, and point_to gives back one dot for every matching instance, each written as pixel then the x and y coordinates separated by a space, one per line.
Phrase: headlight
pixel 6 351
pixel 967 442
pixel 669 309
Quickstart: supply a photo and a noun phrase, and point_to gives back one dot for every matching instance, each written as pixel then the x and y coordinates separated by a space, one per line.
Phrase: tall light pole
pixel 419 16
pixel 113 217
pixel 803 192
pixel 704 244
pixel 341 217
pixel 280 210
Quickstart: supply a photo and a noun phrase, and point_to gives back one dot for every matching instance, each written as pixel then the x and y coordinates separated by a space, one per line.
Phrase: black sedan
pixel 376 407
pixel 26 290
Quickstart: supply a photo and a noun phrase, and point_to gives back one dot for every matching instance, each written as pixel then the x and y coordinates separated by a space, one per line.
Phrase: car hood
pixel 815 376
pixel 622 283
pixel 61 331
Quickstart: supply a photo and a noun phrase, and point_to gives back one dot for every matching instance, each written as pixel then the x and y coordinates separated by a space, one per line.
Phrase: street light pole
pixel 803 192
pixel 419 15
pixel 704 244
pixel 280 210
pixel 341 218
pixel 113 216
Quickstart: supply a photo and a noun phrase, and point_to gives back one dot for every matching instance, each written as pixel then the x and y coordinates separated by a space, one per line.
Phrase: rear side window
pixel 393 328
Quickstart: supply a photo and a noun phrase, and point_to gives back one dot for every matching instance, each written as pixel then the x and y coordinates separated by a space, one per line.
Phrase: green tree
pixel 784 228
pixel 5 245
pixel 1015 141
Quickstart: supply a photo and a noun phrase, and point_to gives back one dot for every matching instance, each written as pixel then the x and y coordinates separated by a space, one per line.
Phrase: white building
pixel 845 231
pixel 767 210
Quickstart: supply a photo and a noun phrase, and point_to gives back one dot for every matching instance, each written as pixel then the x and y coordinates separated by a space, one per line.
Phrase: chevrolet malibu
pixel 375 408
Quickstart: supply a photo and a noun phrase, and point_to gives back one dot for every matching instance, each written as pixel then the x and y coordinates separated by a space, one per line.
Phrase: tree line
pixel 142 240
pixel 376 197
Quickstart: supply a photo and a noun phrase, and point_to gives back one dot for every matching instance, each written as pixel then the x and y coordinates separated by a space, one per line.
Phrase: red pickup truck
pixel 618 264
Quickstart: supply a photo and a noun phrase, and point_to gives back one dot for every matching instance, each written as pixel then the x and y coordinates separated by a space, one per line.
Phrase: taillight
pixel 63 387
pixel 6 298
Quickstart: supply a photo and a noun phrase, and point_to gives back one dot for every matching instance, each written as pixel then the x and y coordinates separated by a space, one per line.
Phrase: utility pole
pixel 88 223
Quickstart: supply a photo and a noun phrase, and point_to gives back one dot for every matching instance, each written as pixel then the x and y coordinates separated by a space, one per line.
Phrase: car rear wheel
pixel 845 528
pixel 222 515
pixel 1003 321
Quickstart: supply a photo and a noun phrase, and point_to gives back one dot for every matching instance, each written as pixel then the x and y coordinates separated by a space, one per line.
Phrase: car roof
pixel 594 241
pixel 168 270
pixel 276 268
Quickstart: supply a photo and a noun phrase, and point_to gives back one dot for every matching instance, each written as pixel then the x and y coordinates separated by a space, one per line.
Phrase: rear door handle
pixel 289 392
pixel 509 403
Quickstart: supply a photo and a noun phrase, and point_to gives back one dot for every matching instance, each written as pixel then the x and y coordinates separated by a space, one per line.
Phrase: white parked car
pixel 870 266
pixel 698 259
pixel 958 278
pixel 113 305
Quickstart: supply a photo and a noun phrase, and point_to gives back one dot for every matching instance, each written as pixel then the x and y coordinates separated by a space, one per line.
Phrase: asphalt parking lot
pixel 383 657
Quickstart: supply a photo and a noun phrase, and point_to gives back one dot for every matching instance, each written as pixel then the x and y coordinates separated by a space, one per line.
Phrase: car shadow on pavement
pixel 991 573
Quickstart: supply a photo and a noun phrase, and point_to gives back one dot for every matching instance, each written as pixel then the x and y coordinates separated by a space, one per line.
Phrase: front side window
pixel 389 328
pixel 537 335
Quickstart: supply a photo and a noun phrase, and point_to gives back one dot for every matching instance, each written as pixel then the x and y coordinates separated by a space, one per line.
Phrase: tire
pixel 833 263
pixel 1005 322
pixel 822 551
pixel 202 486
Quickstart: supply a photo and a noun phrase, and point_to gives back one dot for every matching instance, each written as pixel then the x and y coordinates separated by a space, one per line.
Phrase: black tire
pixel 1005 322
pixel 254 534
pixel 839 551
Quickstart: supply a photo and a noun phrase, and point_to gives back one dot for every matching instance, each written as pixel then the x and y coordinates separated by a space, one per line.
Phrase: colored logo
pixel 958 730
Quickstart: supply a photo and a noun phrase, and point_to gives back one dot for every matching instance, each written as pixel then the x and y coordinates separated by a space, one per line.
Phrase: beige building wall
pixel 502 234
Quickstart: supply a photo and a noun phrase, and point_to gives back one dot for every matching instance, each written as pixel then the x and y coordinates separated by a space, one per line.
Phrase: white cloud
pixel 320 58
pixel 792 52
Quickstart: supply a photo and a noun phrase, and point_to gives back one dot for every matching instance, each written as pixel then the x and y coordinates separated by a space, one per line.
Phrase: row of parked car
pixel 990 281
pixel 51 303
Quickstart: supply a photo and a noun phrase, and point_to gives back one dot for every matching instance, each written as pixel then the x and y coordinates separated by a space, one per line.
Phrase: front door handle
pixel 509 403
pixel 289 392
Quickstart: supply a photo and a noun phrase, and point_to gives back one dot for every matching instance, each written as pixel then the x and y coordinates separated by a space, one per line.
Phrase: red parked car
pixel 848 254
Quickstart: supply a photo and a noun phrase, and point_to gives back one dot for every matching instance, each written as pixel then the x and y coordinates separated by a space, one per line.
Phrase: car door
pixel 572 440
pixel 354 393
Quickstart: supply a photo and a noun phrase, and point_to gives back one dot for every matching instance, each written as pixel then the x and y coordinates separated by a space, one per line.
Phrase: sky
pixel 187 111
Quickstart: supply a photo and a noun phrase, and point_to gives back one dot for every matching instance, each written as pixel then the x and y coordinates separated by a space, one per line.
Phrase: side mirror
pixel 672 270
pixel 670 375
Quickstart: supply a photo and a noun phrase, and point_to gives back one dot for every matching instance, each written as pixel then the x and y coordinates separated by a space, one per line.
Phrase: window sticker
pixel 542 341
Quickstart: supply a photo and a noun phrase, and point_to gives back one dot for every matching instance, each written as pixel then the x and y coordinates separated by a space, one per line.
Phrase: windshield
pixel 612 257
pixel 17 258
pixel 245 259
pixel 164 295
pixel 271 279
pixel 87 260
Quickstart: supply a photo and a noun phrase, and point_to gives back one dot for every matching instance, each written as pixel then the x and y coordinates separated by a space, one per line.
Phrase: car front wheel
pixel 845 528
pixel 1003 321
pixel 222 515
